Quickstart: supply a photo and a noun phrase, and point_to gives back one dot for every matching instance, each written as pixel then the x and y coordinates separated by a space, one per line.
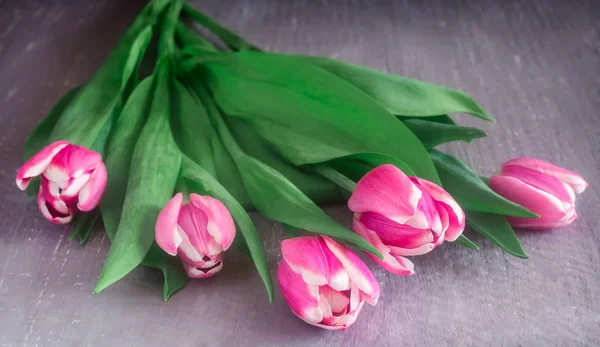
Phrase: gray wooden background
pixel 534 65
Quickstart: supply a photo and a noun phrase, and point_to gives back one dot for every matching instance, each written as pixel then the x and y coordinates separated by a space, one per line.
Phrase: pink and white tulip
pixel 198 231
pixel 403 216
pixel 72 178
pixel 541 187
pixel 325 283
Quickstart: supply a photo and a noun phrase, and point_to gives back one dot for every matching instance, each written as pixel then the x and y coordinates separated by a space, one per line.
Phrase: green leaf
pixel 274 196
pixel 226 171
pixel 401 95
pixel 191 127
pixel 432 134
pixel 201 180
pixel 231 39
pixel 496 228
pixel 119 152
pixel 315 187
pixel 39 137
pixel 465 242
pixel 357 165
pixel 175 277
pixel 154 170
pixel 278 199
pixel 470 192
pixel 325 117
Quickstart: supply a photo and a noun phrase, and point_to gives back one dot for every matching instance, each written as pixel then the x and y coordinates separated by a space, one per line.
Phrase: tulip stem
pixel 166 42
pixel 336 177
pixel 228 37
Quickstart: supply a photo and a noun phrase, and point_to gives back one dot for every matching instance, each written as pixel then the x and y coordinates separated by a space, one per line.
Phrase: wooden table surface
pixel 534 65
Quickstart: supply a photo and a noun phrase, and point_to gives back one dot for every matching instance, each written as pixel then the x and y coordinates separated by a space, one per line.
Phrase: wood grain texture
pixel 534 65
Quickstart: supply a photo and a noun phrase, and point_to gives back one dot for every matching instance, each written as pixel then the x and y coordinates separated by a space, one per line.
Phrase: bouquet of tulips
pixel 171 162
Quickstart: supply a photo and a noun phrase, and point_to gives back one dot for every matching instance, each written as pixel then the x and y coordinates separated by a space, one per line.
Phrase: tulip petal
pixel 538 201
pixel 220 223
pixel 194 223
pixel 411 252
pixel 388 191
pixel 394 234
pixel 52 198
pixel 575 180
pixel 336 301
pixel 547 183
pixel 38 163
pixel 91 193
pixel 50 213
pixel 73 186
pixel 393 263
pixel 166 231
pixel 194 271
pixel 455 213
pixel 338 278
pixel 306 256
pixel 303 298
pixel 74 160
pixel 358 272
pixel 427 216
pixel 189 253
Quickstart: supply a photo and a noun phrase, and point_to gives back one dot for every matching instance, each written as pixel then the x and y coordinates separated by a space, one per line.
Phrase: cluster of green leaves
pixel 271 132
pixel 325 103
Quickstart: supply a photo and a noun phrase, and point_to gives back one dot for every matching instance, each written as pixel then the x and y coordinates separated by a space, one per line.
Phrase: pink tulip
pixel 324 283
pixel 403 216
pixel 73 177
pixel 198 231
pixel 541 187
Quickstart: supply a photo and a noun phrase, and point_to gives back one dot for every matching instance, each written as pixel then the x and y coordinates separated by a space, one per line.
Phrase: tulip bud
pixel 403 216
pixel 198 231
pixel 324 283
pixel 541 187
pixel 73 178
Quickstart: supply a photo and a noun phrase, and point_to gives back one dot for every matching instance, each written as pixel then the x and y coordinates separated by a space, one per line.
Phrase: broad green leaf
pixel 196 138
pixel 465 242
pixel 231 39
pixel 227 171
pixel 315 187
pixel 119 152
pixel 175 277
pixel 154 170
pixel 432 134
pixel 40 136
pixel 325 116
pixel 357 165
pixel 496 228
pixel 207 183
pixel 470 192
pixel 275 197
pixel 191 127
pixel 401 95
